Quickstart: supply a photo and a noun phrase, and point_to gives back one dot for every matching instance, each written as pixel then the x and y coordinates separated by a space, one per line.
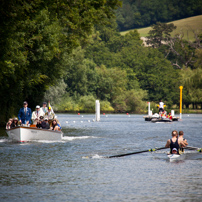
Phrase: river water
pixel 74 170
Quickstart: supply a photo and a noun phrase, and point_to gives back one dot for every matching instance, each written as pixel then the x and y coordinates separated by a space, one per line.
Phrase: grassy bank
pixel 186 26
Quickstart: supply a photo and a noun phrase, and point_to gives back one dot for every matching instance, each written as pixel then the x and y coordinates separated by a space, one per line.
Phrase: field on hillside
pixel 186 26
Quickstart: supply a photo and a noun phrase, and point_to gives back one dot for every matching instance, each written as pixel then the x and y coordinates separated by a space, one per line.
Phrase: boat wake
pixel 96 156
pixel 71 138
pixel 64 139
pixel 4 140
pixel 46 141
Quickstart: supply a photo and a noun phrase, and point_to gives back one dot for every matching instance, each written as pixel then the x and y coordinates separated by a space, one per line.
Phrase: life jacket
pixel 174 145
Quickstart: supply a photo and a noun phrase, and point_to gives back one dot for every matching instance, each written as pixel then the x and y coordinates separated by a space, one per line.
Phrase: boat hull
pixel 154 120
pixel 26 134
pixel 176 157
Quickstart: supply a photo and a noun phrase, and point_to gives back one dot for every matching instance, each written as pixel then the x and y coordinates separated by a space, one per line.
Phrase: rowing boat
pixel 26 134
pixel 176 157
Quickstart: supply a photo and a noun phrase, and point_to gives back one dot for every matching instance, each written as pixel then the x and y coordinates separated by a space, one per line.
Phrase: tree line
pixel 72 53
pixel 124 74
pixel 144 13
pixel 119 71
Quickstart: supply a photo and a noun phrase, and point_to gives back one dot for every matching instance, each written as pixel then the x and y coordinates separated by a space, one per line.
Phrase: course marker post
pixel 181 87
pixel 97 110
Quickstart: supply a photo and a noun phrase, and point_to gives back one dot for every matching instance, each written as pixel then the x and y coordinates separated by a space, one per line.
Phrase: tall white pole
pixel 97 110
pixel 148 108
pixel 181 87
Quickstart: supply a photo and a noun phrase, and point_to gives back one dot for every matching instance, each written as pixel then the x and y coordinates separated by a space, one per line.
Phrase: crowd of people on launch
pixel 43 117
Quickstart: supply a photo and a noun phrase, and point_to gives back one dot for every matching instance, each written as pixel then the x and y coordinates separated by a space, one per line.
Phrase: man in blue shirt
pixel 25 113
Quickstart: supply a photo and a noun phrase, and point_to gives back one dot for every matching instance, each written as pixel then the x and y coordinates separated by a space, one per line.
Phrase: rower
pixel 173 142
pixel 182 141
pixel 174 151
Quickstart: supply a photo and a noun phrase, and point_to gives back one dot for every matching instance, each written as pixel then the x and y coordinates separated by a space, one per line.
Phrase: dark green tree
pixel 35 39
pixel 160 34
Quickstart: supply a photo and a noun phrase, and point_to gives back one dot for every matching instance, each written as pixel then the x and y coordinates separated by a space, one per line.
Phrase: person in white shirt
pixel 44 108
pixel 161 107
pixel 36 115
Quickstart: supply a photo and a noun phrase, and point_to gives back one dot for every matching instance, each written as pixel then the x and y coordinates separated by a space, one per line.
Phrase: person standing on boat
pixel 44 108
pixel 36 115
pixel 161 106
pixel 182 141
pixel 50 114
pixel 25 113
pixel 173 142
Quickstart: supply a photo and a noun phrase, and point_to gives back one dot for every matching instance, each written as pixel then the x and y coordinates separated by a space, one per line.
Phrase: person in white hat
pixel 36 115
pixel 174 151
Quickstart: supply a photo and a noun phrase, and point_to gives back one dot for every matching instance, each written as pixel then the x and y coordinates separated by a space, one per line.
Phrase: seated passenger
pixel 39 125
pixel 55 125
pixel 8 125
pixel 163 115
pixel 15 123
pixel 170 117
pixel 36 114
pixel 45 124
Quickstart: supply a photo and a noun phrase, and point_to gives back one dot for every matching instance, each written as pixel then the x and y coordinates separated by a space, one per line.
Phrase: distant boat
pixel 26 134
pixel 154 120
pixel 157 118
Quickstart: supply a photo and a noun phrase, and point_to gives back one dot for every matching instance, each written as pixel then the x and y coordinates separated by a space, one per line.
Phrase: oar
pixel 193 148
pixel 138 152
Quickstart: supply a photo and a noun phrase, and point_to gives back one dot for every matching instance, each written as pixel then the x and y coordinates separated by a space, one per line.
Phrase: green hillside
pixel 186 26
